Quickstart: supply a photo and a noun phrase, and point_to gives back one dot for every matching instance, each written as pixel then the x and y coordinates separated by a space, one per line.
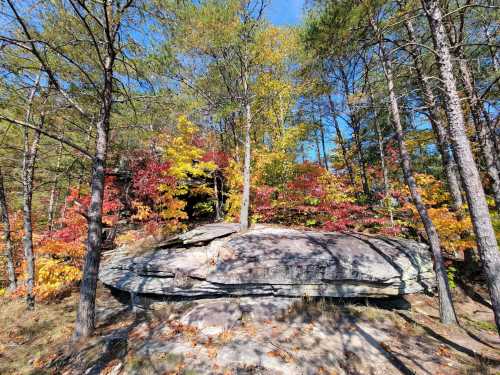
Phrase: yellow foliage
pixel 53 276
pixel 143 212
pixel 234 183
pixel 273 168
pixel 127 237
pixel 184 154
pixel 455 234
pixel 433 192
pixel 74 249
pixel 336 190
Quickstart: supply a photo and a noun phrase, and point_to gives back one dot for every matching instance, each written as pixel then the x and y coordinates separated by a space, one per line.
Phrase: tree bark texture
pixel 446 310
pixel 478 207
pixel 440 131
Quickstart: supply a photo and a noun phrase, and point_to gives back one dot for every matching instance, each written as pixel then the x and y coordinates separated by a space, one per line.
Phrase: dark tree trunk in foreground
pixel 478 207
pixel 446 310
pixel 438 127
pixel 8 253
pixel 85 318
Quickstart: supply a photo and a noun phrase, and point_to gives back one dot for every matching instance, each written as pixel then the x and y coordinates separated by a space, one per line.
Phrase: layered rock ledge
pixel 215 260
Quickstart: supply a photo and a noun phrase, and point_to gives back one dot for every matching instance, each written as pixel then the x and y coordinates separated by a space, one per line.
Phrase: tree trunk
pixel 340 140
pixel 478 207
pixel 485 136
pixel 245 201
pixel 446 310
pixel 85 318
pixel 381 153
pixel 438 127
pixel 218 205
pixel 323 140
pixel 4 214
pixel 53 193
pixel 361 159
pixel 318 149
pixel 28 171
pixel 355 125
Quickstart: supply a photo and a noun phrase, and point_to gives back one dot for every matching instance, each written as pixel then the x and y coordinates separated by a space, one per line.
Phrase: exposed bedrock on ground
pixel 215 260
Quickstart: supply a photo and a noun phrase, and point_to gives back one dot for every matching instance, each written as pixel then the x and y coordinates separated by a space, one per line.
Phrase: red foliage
pixel 198 141
pixel 306 201
pixel 72 222
pixel 148 175
pixel 218 157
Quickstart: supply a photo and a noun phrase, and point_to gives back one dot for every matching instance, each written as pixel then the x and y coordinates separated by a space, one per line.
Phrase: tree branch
pixel 57 137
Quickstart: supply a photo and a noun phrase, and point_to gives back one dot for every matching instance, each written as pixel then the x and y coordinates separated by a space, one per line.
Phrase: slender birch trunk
pixel 478 207
pixel 446 309
pixel 9 256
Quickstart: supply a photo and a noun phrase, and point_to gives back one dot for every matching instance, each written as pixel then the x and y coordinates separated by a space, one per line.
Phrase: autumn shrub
pixel 234 186
pixel 162 184
pixel 54 277
pixel 455 231
pixel 314 197
pixel 59 253
pixel 154 192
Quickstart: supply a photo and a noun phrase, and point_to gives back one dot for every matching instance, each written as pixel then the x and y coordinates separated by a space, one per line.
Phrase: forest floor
pixel 307 336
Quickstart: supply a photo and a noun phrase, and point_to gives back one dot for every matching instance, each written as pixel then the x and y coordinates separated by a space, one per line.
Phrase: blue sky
pixel 285 12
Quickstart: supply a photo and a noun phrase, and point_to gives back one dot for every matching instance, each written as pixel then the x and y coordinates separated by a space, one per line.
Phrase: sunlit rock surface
pixel 215 260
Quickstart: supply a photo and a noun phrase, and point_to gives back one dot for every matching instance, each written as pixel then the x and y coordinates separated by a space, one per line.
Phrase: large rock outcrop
pixel 216 260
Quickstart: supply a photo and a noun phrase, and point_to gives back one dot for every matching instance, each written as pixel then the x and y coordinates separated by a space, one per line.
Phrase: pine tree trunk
pixel 85 318
pixel 28 171
pixel 478 207
pixel 446 310
pixel 438 127
pixel 9 256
